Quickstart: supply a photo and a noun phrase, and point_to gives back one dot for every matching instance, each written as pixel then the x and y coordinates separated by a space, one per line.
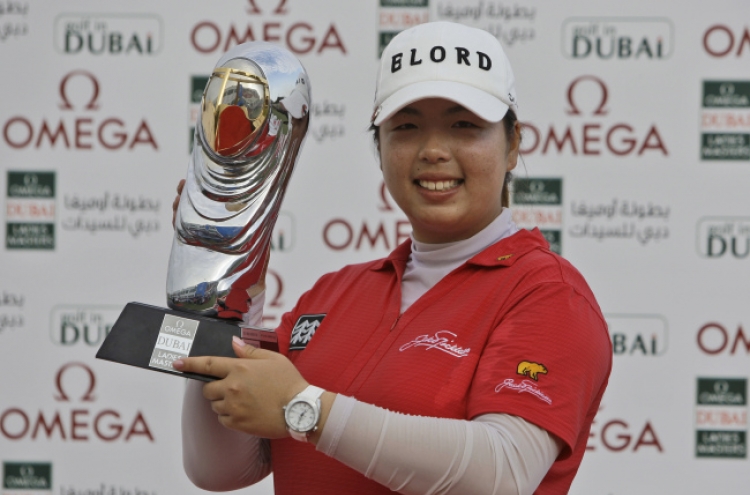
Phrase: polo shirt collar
pixel 503 253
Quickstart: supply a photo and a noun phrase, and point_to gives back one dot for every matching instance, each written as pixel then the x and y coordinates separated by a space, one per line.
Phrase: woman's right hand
pixel 176 202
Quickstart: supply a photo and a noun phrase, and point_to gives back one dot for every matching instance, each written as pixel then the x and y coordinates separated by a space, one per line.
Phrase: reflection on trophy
pixel 254 117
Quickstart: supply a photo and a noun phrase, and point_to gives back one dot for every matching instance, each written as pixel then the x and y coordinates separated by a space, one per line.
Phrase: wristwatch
pixel 303 413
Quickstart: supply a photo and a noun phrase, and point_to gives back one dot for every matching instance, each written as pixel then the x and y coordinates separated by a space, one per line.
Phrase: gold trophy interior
pixel 236 103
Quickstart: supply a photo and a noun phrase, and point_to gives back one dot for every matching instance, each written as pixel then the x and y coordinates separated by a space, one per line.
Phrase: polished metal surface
pixel 254 118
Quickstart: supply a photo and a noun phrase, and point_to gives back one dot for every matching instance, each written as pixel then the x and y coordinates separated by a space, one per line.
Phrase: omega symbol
pixel 92 104
pixel 726 89
pixel 26 471
pixel 87 396
pixel 600 110
pixel 536 186
pixel 721 386
pixel 30 179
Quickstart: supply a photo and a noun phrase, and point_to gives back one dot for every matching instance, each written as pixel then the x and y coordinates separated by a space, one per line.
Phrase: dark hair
pixel 512 135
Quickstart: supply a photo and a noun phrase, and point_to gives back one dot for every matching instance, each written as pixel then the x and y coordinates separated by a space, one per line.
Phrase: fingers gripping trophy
pixel 254 117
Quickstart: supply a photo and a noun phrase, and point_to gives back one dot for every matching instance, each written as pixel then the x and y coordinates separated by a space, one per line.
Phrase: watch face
pixel 301 416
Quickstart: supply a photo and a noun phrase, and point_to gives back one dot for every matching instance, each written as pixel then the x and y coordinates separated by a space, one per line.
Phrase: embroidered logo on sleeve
pixel 532 370
pixel 304 330
pixel 442 341
pixel 526 386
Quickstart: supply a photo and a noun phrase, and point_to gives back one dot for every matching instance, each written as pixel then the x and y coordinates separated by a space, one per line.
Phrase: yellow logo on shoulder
pixel 532 370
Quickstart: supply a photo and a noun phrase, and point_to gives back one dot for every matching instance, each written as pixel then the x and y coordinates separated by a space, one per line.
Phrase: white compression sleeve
pixel 214 457
pixel 495 453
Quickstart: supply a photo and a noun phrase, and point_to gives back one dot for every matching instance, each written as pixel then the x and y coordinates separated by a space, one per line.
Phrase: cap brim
pixel 483 104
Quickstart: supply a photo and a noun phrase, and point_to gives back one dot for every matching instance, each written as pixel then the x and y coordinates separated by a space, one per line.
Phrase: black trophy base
pixel 152 338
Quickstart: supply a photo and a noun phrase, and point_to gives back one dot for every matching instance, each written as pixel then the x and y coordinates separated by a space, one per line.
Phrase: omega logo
pixel 78 424
pixel 80 133
pixel 591 138
pixel 300 37
pixel 340 234
pixel 92 103
pixel 87 396
pixel 600 110
pixel 719 41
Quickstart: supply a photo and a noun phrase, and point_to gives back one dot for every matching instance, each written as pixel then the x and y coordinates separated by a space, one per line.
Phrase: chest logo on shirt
pixel 443 340
pixel 304 330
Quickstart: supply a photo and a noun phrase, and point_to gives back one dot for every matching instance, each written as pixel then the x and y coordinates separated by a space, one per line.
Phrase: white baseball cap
pixel 445 60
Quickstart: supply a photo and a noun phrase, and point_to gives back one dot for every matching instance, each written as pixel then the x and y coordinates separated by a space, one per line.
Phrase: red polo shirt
pixel 514 330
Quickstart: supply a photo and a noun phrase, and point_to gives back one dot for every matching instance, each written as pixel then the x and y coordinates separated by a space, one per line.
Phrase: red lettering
pixel 147 137
pixel 75 424
pixel 120 136
pixel 724 338
pixel 365 233
pixel 81 132
pixel 332 40
pixel 48 429
pixel 106 425
pixel 116 427
pixel 29 132
pixel 280 8
pixel 623 437
pixel 630 142
pixel 647 438
pixel 308 40
pixel 52 137
pixel 744 41
pixel 13 210
pixel 327 234
pixel 134 428
pixel 560 143
pixel 708 34
pixel 216 37
pixel 589 139
pixel 249 36
pixel 658 145
pixel 740 338
pixel 3 424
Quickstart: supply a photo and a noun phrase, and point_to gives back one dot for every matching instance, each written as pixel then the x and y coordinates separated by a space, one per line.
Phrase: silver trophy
pixel 254 118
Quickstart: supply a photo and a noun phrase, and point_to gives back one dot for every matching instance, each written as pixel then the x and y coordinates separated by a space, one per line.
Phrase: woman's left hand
pixel 251 391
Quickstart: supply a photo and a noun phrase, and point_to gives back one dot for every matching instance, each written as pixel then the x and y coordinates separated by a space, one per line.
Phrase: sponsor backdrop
pixel 636 167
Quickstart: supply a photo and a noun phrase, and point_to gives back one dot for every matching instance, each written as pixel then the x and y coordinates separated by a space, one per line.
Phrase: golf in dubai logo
pixel 537 202
pixel 721 418
pixel 30 210
pixel 725 120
